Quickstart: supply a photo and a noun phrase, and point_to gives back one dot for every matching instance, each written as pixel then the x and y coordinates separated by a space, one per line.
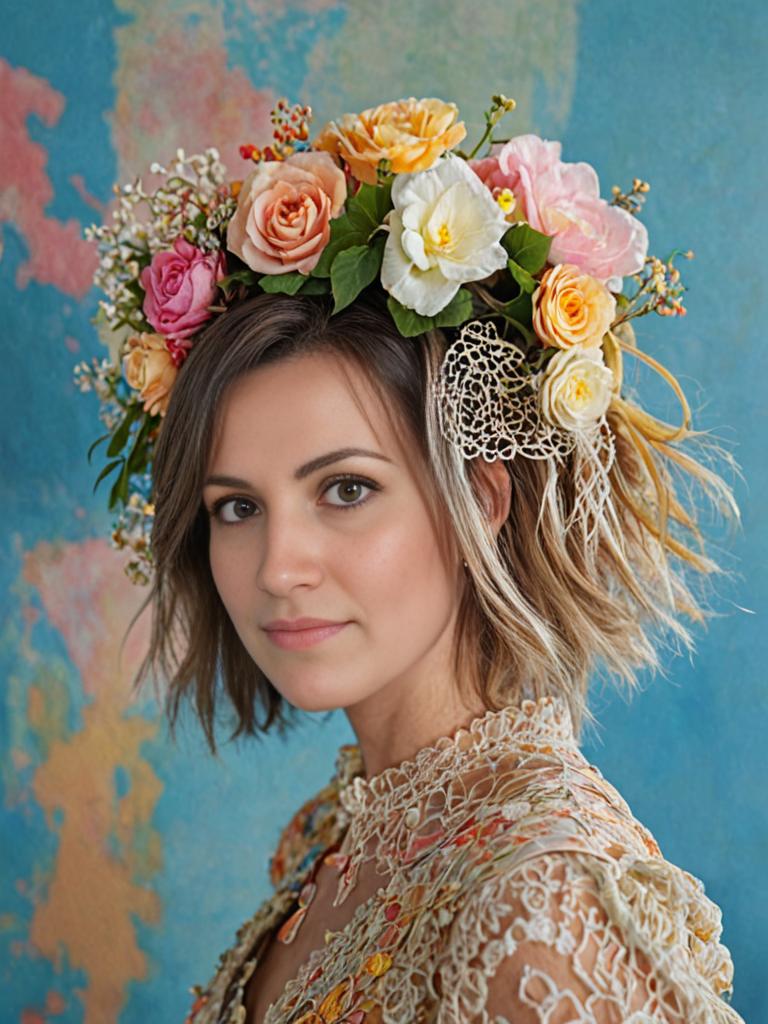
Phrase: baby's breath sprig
pixel 660 289
pixel 633 200
pixel 132 529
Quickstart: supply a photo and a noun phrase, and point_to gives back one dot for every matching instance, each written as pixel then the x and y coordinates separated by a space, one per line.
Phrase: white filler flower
pixel 444 231
pixel 577 389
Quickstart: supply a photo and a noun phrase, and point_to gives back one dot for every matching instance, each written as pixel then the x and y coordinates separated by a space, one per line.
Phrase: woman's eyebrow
pixel 303 471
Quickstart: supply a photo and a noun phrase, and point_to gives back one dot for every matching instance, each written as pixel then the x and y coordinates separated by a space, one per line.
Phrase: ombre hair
pixel 542 606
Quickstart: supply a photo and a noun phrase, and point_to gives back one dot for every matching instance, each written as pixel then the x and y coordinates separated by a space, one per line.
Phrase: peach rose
pixel 149 368
pixel 284 210
pixel 571 309
pixel 411 133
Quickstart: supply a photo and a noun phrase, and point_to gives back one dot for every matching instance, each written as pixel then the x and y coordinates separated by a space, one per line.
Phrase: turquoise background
pixel 128 861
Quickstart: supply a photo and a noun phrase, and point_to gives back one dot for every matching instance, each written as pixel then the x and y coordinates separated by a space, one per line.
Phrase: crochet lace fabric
pixel 516 887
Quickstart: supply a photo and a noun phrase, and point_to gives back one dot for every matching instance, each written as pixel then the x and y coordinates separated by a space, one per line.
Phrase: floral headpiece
pixel 515 249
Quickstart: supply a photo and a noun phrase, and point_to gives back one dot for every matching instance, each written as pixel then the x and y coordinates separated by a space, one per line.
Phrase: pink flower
pixel 284 209
pixel 180 285
pixel 563 200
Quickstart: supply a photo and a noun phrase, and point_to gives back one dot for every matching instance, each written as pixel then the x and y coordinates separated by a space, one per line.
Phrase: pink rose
pixel 284 210
pixel 563 200
pixel 180 285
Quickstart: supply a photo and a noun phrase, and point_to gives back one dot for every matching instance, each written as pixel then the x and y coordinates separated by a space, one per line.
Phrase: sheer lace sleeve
pixel 570 938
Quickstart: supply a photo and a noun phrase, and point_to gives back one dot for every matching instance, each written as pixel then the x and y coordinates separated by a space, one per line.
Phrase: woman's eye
pixel 241 509
pixel 349 490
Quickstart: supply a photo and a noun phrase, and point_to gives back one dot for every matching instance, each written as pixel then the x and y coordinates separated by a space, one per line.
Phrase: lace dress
pixel 519 888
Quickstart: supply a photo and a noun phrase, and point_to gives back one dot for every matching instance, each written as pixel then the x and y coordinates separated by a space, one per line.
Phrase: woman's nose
pixel 290 553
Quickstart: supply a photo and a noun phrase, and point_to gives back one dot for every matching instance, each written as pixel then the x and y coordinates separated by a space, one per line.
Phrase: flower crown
pixel 516 248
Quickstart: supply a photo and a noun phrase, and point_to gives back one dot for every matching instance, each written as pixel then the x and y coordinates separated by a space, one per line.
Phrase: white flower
pixel 576 390
pixel 444 231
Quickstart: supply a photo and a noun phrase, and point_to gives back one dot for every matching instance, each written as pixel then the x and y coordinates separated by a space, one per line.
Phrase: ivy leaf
pixel 354 269
pixel 527 283
pixel 120 435
pixel 527 247
pixel 105 472
pixel 284 284
pixel 410 323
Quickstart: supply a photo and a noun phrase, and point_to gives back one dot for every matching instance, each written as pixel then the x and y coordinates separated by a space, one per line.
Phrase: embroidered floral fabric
pixel 520 888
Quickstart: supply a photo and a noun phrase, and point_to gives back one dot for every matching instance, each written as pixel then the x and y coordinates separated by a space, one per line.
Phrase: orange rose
pixel 149 368
pixel 571 309
pixel 412 134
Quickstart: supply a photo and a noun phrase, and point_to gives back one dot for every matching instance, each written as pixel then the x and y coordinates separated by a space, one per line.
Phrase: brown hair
pixel 542 606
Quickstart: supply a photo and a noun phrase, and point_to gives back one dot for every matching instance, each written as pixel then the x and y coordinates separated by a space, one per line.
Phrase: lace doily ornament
pixel 487 404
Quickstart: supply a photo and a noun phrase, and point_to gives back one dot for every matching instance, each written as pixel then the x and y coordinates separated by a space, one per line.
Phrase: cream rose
pixel 412 134
pixel 576 390
pixel 149 368
pixel 571 309
pixel 284 210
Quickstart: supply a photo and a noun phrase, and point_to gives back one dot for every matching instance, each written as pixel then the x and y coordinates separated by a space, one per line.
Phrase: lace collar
pixel 532 721
pixel 395 811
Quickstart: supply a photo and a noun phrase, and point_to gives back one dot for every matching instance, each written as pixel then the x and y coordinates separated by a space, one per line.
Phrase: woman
pixel 314 360
pixel 321 542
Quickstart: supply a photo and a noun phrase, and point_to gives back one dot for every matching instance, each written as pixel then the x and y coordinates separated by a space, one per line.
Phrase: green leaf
pixel 354 269
pixel 520 308
pixel 527 283
pixel 458 310
pixel 527 247
pixel 137 452
pixel 120 436
pixel 285 284
pixel 105 472
pixel 119 490
pixel 95 444
pixel 410 323
pixel 245 276
pixel 315 286
pixel 343 236
pixel 369 206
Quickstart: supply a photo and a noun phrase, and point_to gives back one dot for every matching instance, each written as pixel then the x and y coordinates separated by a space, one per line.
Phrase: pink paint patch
pixel 72 344
pixel 180 92
pixel 58 255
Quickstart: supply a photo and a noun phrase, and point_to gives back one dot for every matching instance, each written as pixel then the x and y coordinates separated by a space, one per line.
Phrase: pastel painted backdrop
pixel 128 862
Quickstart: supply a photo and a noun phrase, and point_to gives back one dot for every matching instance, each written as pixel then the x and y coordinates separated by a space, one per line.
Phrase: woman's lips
pixel 298 639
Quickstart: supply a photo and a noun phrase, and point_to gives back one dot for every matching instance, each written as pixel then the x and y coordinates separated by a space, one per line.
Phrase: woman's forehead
pixel 313 400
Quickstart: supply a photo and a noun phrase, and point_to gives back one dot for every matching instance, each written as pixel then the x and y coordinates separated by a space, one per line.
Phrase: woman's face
pixel 300 529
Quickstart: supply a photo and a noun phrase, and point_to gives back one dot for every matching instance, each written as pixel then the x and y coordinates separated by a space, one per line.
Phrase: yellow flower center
pixel 580 391
pixel 444 235
pixel 506 200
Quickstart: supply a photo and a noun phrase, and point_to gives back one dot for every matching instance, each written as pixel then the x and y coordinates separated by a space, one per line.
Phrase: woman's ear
pixel 493 486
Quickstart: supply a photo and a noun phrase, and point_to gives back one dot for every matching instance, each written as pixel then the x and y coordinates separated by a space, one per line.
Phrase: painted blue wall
pixel 672 93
